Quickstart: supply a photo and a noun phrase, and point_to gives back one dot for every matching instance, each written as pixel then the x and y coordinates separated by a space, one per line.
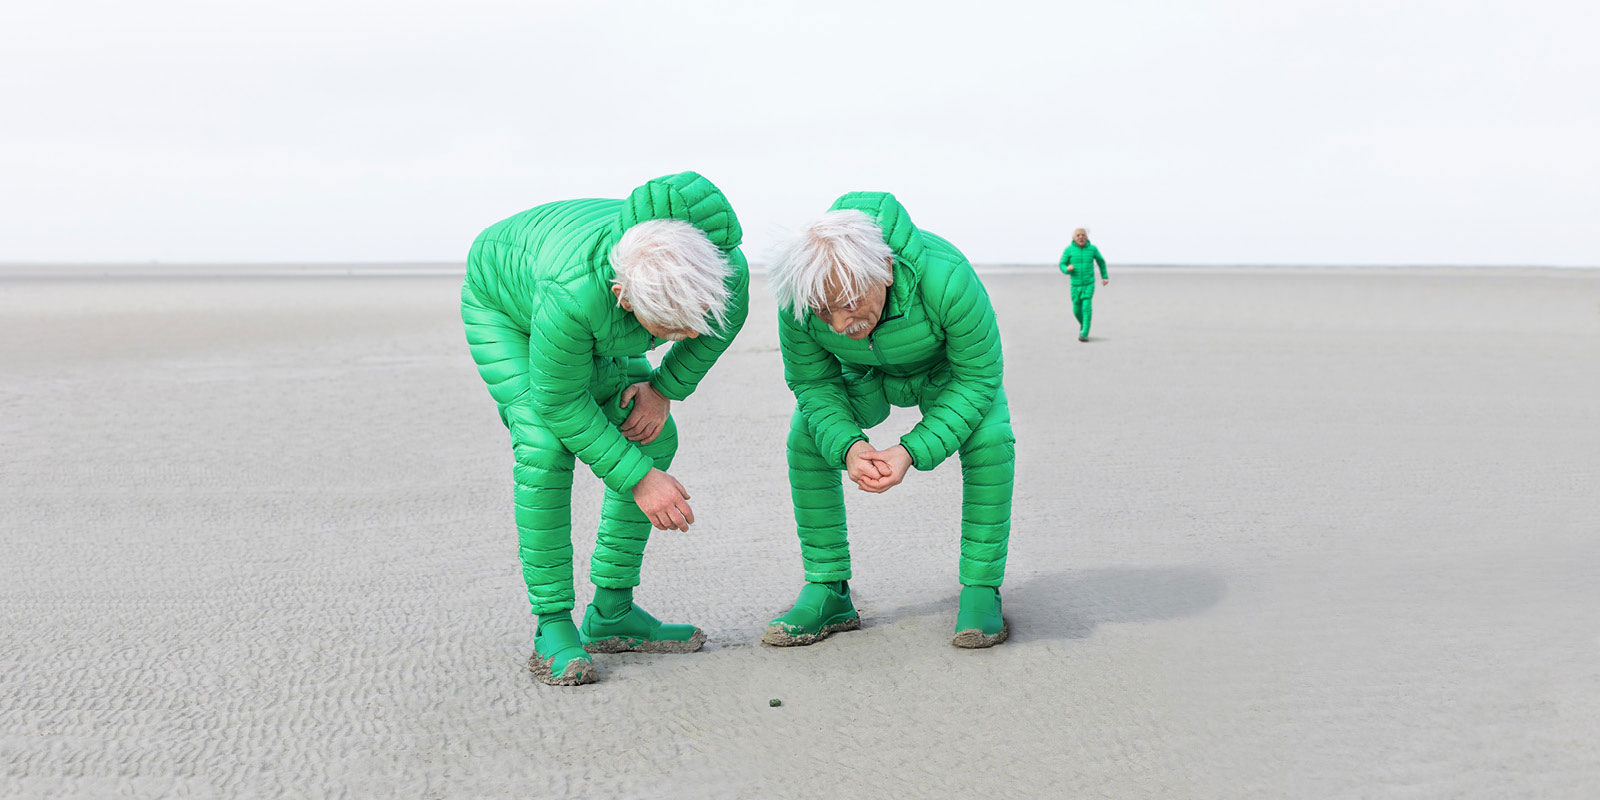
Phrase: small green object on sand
pixel 774 702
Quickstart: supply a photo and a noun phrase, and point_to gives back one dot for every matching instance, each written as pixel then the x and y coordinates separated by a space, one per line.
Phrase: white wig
pixel 845 247
pixel 672 275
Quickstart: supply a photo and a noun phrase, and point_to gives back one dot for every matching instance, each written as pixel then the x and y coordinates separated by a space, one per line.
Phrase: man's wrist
pixel 851 448
pixel 656 387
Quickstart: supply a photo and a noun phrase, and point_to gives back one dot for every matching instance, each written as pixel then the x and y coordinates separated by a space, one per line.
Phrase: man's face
pixel 670 334
pixel 1080 236
pixel 853 318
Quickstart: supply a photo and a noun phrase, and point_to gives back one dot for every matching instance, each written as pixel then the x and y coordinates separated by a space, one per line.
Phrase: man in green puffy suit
pixel 1078 262
pixel 872 313
pixel 561 303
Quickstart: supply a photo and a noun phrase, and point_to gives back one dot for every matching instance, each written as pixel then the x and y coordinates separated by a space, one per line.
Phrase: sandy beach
pixel 1279 533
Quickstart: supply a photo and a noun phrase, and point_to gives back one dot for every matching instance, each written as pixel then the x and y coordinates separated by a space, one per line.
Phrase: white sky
pixel 1232 132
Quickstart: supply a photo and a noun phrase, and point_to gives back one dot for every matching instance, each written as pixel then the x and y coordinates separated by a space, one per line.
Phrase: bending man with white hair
pixel 872 313
pixel 561 303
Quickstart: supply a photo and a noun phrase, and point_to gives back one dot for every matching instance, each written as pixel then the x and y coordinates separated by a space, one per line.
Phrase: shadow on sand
pixel 1071 604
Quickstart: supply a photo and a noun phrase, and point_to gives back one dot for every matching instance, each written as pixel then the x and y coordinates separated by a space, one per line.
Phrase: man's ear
pixel 890 261
pixel 617 290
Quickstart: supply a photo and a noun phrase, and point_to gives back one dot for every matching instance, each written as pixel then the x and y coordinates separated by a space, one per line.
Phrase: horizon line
pixel 296 269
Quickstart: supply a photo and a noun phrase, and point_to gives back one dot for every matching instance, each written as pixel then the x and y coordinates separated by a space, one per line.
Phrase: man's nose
pixel 839 325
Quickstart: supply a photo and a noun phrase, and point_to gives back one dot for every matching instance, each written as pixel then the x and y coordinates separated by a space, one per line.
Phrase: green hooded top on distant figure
pixel 1078 262
pixel 1083 259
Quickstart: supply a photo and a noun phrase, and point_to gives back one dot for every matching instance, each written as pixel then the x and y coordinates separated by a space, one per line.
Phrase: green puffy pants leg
pixel 543 475
pixel 543 469
pixel 624 529
pixel 987 467
pixel 817 490
pixel 1083 308
pixel 543 496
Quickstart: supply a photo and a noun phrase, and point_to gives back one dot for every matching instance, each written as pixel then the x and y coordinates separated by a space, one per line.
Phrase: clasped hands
pixel 876 471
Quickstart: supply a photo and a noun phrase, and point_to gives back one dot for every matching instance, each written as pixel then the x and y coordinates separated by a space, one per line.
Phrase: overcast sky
pixel 1238 132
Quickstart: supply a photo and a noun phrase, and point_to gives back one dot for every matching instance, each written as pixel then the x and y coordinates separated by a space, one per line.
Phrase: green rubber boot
pixel 558 658
pixel 613 624
pixel 979 622
pixel 821 610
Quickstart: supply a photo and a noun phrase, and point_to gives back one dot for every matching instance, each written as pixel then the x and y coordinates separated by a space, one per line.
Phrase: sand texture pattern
pixel 1277 534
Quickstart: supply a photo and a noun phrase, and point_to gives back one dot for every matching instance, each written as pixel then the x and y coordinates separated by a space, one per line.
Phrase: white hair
pixel 672 275
pixel 844 246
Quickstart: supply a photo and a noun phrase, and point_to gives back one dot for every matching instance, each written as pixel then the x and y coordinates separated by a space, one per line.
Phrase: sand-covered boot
pixel 821 610
pixel 613 624
pixel 979 622
pixel 558 658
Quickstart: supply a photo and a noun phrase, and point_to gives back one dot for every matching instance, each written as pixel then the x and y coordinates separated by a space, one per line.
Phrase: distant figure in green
pixel 1077 263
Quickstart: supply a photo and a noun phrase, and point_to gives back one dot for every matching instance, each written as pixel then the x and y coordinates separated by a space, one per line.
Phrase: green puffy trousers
pixel 1083 261
pixel 556 351
pixel 937 347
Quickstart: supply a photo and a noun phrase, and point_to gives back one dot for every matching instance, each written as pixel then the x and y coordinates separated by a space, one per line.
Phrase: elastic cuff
pixel 656 383
pixel 829 576
pixel 919 458
pixel 623 482
pixel 842 461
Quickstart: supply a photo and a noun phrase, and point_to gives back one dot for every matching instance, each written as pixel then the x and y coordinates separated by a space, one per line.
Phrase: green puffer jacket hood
pixel 685 196
pixel 937 330
pixel 902 236
pixel 549 268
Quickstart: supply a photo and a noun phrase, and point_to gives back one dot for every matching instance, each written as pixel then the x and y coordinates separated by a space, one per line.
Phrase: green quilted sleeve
pixel 688 361
pixel 1065 260
pixel 814 375
pixel 972 344
pixel 560 366
pixel 1101 260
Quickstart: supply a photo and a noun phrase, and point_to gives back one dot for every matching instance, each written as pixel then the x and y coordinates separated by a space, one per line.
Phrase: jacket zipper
pixel 872 339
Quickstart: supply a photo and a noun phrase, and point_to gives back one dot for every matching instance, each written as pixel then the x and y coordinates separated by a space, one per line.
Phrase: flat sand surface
pixel 1278 533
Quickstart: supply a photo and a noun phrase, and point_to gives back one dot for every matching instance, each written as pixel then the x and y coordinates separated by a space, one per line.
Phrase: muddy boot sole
pixel 778 637
pixel 577 674
pixel 974 639
pixel 628 644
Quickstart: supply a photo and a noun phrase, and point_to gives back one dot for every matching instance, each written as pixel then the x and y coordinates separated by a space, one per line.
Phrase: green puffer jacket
pixel 551 267
pixel 937 324
pixel 1082 261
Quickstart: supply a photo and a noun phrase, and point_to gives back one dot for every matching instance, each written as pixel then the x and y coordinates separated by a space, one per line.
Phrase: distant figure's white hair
pixel 846 246
pixel 672 275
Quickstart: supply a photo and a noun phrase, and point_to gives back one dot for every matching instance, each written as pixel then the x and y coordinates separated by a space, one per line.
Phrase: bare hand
pixel 898 460
pixel 860 468
pixel 1070 268
pixel 664 501
pixel 649 414
pixel 1105 281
